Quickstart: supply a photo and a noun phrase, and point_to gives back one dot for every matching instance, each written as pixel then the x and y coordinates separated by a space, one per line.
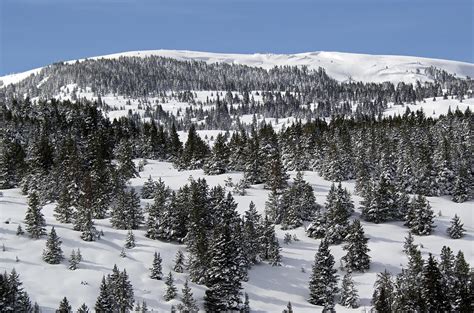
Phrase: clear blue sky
pixel 34 33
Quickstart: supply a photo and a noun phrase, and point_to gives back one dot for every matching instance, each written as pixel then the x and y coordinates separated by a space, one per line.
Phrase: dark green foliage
pixel 339 207
pixel 53 253
pixel 171 290
pixel 357 258
pixel 456 230
pixel 156 270
pixel 195 151
pixel 64 306
pixel 323 280
pixel 179 262
pixel 127 213
pixel 420 216
pixel 188 304
pixel 34 220
pixel 383 293
pixel 218 162
pixel 13 298
pixel 349 296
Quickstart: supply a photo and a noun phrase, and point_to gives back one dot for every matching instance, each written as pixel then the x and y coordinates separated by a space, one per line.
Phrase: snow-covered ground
pixel 339 65
pixel 269 288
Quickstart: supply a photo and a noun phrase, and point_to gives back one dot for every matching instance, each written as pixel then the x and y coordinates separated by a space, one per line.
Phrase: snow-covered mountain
pixel 339 65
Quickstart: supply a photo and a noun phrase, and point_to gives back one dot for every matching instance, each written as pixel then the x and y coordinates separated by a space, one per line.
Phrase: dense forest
pixel 69 153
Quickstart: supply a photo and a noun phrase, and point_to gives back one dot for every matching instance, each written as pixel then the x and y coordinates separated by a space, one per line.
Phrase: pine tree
pixel 53 253
pixel 83 218
pixel 274 256
pixel 289 308
pixel 349 296
pixel 73 261
pixel 323 280
pixel 432 289
pixel 272 207
pixel 122 291
pixel 224 273
pixel 456 230
pixel 246 306
pixel 420 217
pixel 63 212
pixel 156 271
pixel 104 301
pixel 446 268
pixel 408 245
pixel 356 258
pixel 383 293
pixel 64 306
pixel 188 304
pixel 252 233
pixel 462 190
pixel 380 203
pixel 127 213
pixel 34 219
pixel 339 207
pixel 19 231
pixel 126 167
pixel 218 161
pixel 13 298
pixel 317 228
pixel 123 254
pixel 148 189
pixel 463 284
pixel 179 262
pixel 171 290
pixel 83 309
pixel 130 240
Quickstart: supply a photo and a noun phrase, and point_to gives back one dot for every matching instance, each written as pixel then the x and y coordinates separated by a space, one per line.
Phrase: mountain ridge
pixel 342 66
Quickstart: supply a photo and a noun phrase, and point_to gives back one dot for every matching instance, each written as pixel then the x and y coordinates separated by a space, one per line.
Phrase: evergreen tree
pixel 127 213
pixel 19 231
pixel 317 228
pixel 356 258
pixel 64 306
pixel 53 253
pixel 461 191
pixel 122 291
pixel 83 218
pixel 456 230
pixel 104 301
pixel 218 161
pixel 148 189
pixel 446 268
pixel 194 152
pixel 246 306
pixel 383 293
pixel 224 274
pixel 420 217
pixel 63 212
pixel 463 285
pixel 380 203
pixel 83 309
pixel 179 262
pixel 34 220
pixel 289 308
pixel 274 256
pixel 254 165
pixel 252 233
pixel 349 296
pixel 432 291
pixel 130 240
pixel 126 168
pixel 323 280
pixel 171 290
pixel 13 298
pixel 339 207
pixel 188 304
pixel 408 246
pixel 73 261
pixel 156 270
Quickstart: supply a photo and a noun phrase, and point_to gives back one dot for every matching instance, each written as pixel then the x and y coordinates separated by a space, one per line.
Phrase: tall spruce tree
pixel 357 258
pixel 349 296
pixel 171 290
pixel 53 253
pixel 156 269
pixel 456 229
pixel 34 220
pixel 323 280
pixel 188 304
pixel 64 306
pixel 420 216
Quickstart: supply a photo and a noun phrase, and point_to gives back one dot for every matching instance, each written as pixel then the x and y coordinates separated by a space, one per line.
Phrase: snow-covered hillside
pixel 339 65
pixel 269 288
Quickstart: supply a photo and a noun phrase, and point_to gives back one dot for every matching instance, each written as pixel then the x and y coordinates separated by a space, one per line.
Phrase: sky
pixel 35 33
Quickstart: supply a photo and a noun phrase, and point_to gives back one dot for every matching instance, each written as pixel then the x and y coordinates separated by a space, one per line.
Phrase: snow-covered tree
pixel 178 266
pixel 188 304
pixel 420 217
pixel 349 296
pixel 34 219
pixel 323 279
pixel 53 253
pixel 130 240
pixel 171 290
pixel 156 270
pixel 456 229
pixel 357 258
pixel 64 306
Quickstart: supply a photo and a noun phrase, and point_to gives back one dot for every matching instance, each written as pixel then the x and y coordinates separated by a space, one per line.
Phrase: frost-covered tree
pixel 188 304
pixel 19 230
pixel 432 291
pixel 34 219
pixel 148 189
pixel 127 213
pixel 64 306
pixel 13 298
pixel 420 217
pixel 156 269
pixel 252 233
pixel 53 253
pixel 104 302
pixel 456 229
pixel 218 161
pixel 339 207
pixel 349 296
pixel 73 261
pixel 357 258
pixel 323 280
pixel 178 266
pixel 171 290
pixel 382 297
pixel 130 240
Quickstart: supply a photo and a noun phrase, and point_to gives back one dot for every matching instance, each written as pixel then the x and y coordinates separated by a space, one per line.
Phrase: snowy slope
pixel 269 288
pixel 339 65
